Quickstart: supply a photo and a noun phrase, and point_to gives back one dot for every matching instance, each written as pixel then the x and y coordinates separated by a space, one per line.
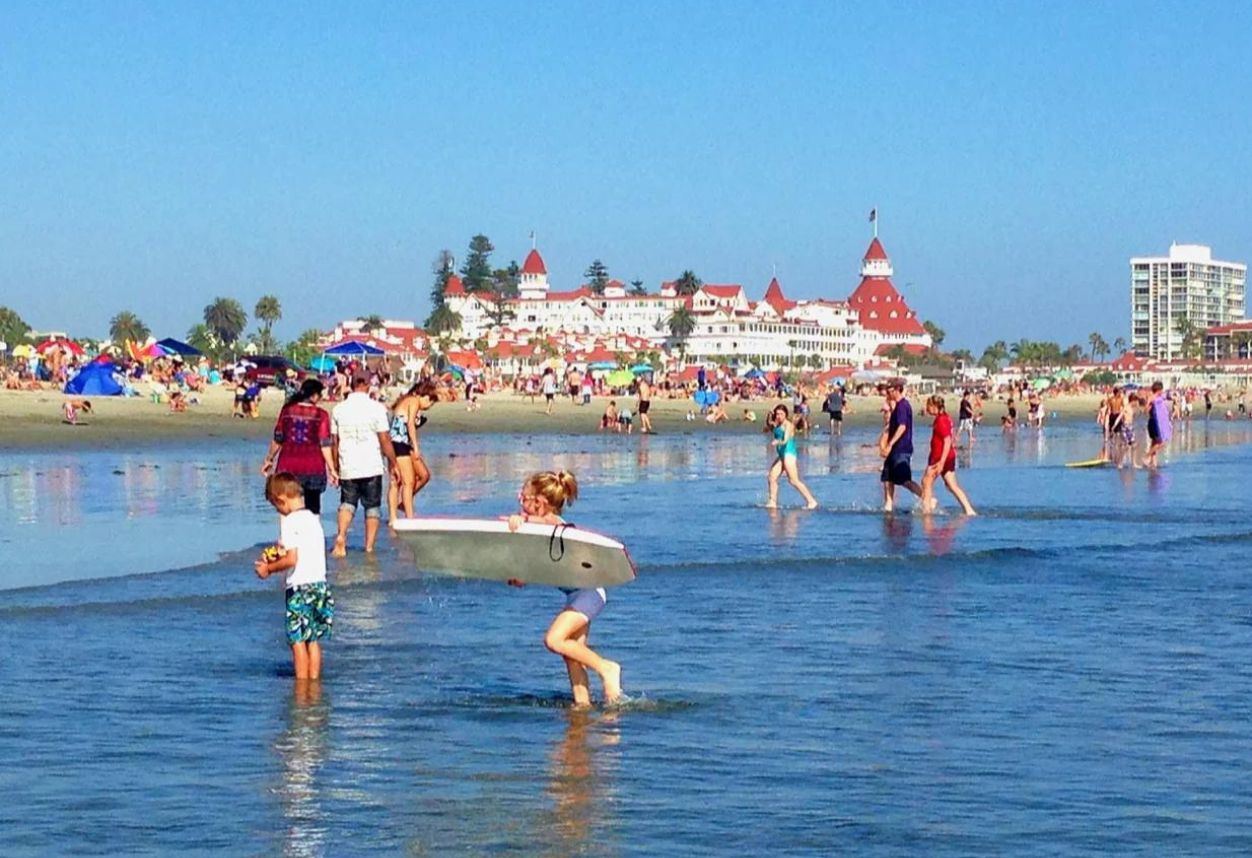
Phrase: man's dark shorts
pixel 366 491
pixel 836 416
pixel 644 406
pixel 896 470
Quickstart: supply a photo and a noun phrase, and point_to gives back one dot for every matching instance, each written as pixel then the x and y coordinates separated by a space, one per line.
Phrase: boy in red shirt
pixel 942 461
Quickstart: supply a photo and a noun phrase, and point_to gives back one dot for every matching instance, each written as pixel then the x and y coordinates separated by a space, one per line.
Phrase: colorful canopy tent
pixel 65 345
pixel 352 348
pixel 753 374
pixel 177 347
pixel 322 363
pixel 95 379
pixel 601 365
pixel 641 368
pixel 148 352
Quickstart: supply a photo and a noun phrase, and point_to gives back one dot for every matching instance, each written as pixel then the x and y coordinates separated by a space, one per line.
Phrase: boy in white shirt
pixel 301 553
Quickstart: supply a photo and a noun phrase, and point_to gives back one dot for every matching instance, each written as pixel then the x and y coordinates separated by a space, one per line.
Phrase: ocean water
pixel 1067 674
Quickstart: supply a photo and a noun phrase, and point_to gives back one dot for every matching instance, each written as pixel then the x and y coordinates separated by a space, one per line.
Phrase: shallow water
pixel 1065 674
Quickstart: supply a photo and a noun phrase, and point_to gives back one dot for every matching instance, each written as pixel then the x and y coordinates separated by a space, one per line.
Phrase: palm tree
pixel 268 311
pixel 636 288
pixel 1192 337
pixel 226 318
pixel 687 283
pixel 202 337
pixel 1119 346
pixel 372 322
pixel 816 362
pixel 127 326
pixel 681 323
pixel 1099 347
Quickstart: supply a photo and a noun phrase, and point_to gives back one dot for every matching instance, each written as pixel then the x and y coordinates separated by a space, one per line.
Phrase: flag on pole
pixel 873 215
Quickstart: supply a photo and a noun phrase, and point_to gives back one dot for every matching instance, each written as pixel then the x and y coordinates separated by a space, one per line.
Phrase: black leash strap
pixel 556 542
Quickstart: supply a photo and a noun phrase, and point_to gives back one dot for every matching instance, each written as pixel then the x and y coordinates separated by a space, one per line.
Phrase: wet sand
pixel 32 419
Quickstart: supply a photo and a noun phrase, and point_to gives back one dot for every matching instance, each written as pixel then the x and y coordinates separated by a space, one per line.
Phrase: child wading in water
pixel 784 443
pixel 543 496
pixel 942 461
pixel 302 555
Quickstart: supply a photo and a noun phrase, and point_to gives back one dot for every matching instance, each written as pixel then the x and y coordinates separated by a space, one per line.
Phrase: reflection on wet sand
pixel 301 749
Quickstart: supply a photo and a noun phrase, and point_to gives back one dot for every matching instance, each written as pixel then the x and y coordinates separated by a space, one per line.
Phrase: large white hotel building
pixel 769 333
pixel 1188 284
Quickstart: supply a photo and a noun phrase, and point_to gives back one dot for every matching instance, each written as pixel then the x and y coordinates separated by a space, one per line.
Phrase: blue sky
pixel 153 156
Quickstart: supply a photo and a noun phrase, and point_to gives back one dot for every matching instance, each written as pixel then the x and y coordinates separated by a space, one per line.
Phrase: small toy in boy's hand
pixel 272 553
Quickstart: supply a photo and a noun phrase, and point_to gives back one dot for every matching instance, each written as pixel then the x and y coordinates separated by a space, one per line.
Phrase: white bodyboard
pixel 558 555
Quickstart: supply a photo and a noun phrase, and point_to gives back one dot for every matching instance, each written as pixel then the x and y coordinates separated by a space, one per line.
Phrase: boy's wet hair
pixel 282 485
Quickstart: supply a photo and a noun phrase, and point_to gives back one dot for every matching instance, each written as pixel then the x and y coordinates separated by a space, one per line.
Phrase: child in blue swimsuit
pixel 785 443
pixel 543 496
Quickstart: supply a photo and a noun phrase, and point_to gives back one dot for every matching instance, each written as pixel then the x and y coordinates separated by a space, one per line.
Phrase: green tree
pixel 688 283
pixel 681 323
pixel 443 320
pixel 226 318
pixel 1119 346
pixel 1099 347
pixel 964 355
pixel 1072 355
pixel 442 267
pixel 268 311
pixel 993 356
pixel 816 361
pixel 201 336
pixel 504 291
pixel 476 273
pixel 597 275
pixel 1192 338
pixel 303 349
pixel 127 326
pixel 372 322
pixel 13 328
pixel 636 288
pixel 936 333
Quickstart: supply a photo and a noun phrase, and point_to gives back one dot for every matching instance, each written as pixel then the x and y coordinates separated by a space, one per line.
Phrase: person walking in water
pixel 645 405
pixel 784 442
pixel 544 497
pixel 1160 430
pixel 895 445
pixel 942 462
pixel 362 440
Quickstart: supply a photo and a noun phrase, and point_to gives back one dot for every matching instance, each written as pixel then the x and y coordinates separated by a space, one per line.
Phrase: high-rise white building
pixel 1187 287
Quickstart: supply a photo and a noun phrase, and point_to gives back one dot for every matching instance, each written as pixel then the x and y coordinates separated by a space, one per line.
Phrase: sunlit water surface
pixel 1066 674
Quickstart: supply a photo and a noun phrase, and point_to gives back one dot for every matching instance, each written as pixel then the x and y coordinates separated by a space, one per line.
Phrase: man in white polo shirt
pixel 359 427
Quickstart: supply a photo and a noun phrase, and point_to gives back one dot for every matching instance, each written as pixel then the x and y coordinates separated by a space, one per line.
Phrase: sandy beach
pixel 32 419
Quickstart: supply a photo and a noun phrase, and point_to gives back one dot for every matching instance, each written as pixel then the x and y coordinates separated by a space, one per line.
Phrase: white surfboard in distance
pixel 557 555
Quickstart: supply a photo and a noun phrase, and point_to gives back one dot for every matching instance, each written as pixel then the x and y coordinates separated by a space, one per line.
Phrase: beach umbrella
pixel 1041 383
pixel 68 345
pixel 169 345
pixel 95 379
pixel 355 349
pixel 322 363
pixel 23 351
pixel 602 364
pixel 621 378
pixel 754 374
pixel 641 368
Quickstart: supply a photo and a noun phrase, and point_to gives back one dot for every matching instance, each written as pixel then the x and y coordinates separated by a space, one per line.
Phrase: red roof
pixel 875 250
pixel 453 286
pixel 469 360
pixel 774 297
pixel 1218 330
pixel 883 309
pixel 534 264
pixel 727 291
pixel 1129 362
pixel 911 348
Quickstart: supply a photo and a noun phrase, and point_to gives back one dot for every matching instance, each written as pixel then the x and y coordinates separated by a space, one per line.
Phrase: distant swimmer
pixel 543 498
pixel 895 445
pixel 942 461
pixel 784 443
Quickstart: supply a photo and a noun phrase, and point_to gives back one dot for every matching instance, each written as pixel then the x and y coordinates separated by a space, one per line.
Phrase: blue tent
pixel 95 379
pixel 354 349
pixel 602 364
pixel 322 363
pixel 754 374
pixel 178 347
pixel 641 368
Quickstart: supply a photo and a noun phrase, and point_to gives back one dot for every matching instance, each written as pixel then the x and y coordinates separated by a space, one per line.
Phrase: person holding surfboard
pixel 543 497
